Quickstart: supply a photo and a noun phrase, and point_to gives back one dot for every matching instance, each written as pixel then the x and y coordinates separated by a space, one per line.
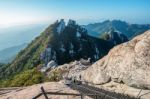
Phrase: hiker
pixel 74 79
pixel 80 77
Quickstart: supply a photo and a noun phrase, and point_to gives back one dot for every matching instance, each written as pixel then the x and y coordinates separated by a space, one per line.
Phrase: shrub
pixel 25 78
pixel 55 76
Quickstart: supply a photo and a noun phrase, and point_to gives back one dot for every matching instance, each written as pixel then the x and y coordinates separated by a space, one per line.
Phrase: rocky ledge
pixel 32 91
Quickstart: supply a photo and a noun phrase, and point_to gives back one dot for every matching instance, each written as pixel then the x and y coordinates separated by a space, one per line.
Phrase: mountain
pixel 61 43
pixel 127 63
pixel 8 54
pixel 130 30
pixel 71 42
pixel 17 35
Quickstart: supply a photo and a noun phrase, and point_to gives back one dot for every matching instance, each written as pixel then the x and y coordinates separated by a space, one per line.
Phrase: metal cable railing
pixel 56 93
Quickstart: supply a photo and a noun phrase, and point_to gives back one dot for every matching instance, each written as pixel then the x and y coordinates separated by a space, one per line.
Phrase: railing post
pixel 43 91
pixel 96 96
pixel 81 96
pixel 139 93
pixel 104 96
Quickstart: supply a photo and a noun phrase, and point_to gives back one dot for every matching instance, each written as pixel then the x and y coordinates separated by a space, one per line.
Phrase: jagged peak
pixel 118 21
pixel 80 30
pixel 61 26
pixel 71 22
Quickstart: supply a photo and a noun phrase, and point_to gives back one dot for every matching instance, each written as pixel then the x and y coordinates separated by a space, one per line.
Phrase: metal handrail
pixel 58 93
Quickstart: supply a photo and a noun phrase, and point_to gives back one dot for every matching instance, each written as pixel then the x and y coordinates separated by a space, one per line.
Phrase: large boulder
pixel 71 70
pixel 51 65
pixel 127 63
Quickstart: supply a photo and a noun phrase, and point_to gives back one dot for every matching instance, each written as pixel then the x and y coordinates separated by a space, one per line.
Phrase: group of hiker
pixel 74 80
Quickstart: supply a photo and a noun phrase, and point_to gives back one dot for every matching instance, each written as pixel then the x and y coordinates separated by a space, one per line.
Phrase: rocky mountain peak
pixel 71 22
pixel 71 44
pixel 61 26
pixel 72 26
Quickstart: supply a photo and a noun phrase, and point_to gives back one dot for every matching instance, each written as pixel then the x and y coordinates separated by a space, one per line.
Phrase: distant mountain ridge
pixel 130 30
pixel 18 35
pixel 8 54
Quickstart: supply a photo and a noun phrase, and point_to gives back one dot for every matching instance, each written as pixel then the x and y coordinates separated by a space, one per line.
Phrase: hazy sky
pixel 34 11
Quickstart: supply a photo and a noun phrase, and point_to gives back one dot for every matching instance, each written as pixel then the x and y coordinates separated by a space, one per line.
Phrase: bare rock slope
pixel 32 91
pixel 127 63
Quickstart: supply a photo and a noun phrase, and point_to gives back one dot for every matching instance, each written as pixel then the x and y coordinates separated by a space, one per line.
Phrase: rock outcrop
pixel 51 65
pixel 114 36
pixel 71 70
pixel 127 63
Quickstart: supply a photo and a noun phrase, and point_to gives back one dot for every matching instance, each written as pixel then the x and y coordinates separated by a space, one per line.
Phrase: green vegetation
pixel 25 78
pixel 28 58
pixel 55 76
pixel 22 72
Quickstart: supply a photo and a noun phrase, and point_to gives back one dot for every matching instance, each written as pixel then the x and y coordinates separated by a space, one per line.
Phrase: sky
pixel 14 12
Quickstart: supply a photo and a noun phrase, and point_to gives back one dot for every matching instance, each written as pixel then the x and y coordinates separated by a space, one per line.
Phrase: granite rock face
pixel 127 63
